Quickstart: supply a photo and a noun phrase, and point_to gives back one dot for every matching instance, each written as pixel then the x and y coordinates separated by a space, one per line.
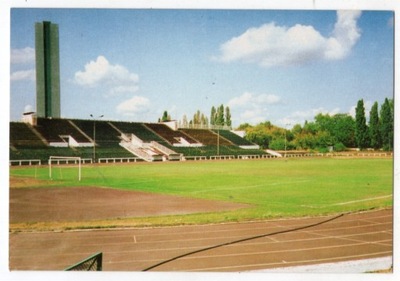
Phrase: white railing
pixel 195 158
pixel 28 162
pixel 66 161
pixel 222 157
pixel 120 160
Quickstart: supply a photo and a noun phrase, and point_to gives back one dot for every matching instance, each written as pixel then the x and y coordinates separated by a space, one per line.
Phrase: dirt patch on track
pixel 93 203
pixel 237 247
pixel 20 182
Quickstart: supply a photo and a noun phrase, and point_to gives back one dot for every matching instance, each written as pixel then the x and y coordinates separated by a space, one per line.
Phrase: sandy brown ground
pixel 243 246
pixel 223 247
pixel 93 203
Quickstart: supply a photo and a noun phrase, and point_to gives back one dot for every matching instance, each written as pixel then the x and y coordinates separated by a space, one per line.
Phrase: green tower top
pixel 47 70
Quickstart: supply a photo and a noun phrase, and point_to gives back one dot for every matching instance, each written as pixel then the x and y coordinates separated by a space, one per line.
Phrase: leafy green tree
pixel 165 117
pixel 297 129
pixel 220 119
pixel 213 115
pixel 310 127
pixel 323 139
pixel 304 140
pixel 339 126
pixel 228 116
pixel 361 129
pixel 324 122
pixel 185 122
pixel 343 130
pixel 374 130
pixel 278 144
pixel 258 135
pixel 244 127
pixel 387 125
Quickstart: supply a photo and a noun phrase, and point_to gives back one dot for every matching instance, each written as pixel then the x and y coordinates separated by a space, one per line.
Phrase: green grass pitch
pixel 271 188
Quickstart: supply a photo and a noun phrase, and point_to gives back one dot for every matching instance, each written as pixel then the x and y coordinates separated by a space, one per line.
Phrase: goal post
pixel 65 160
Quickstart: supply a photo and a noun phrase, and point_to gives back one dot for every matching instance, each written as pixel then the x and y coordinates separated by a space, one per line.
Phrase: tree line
pixel 219 116
pixel 337 132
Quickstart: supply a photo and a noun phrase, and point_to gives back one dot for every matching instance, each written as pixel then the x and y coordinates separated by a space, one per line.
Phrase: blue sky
pixel 284 66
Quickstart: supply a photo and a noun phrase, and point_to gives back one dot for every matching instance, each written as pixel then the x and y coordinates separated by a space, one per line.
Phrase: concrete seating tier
pixel 52 129
pixel 106 135
pixel 139 130
pixel 232 137
pixel 206 137
pixel 170 135
pixel 22 135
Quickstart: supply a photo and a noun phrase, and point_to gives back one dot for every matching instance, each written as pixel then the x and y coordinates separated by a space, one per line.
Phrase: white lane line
pixel 346 203
pixel 347 238
pixel 277 251
pixel 277 264
pixel 313 232
pixel 224 187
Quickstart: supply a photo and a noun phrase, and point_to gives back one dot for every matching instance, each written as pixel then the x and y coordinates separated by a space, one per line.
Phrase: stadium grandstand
pixel 44 134
pixel 101 140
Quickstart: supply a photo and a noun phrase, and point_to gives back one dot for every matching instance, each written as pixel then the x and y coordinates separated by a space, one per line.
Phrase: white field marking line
pixel 322 237
pixel 347 238
pixel 216 238
pixel 271 225
pixel 270 238
pixel 225 187
pixel 221 231
pixel 246 223
pixel 256 253
pixel 351 227
pixel 373 222
pixel 346 203
pixel 314 261
pixel 259 253
pixel 113 237
pixel 277 251
pixel 267 224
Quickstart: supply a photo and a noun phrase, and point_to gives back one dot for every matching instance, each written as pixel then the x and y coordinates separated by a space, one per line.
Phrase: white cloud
pixel 248 99
pixel 20 56
pixel 252 108
pixel 315 111
pixel 299 117
pixel 21 75
pixel 117 78
pixel 271 45
pixel 133 106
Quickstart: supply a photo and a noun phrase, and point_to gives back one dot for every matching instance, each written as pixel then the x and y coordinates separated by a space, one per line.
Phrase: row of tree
pixel 339 131
pixel 219 116
pixel 379 132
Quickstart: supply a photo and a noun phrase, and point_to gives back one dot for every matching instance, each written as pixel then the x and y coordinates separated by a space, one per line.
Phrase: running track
pixel 221 247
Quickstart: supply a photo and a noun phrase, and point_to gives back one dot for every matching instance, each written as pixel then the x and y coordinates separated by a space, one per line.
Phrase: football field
pixel 233 215
pixel 262 188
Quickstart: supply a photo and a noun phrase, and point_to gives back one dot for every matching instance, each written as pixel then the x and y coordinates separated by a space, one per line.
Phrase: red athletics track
pixel 222 247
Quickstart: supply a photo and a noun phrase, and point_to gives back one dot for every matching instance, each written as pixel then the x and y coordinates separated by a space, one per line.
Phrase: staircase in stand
pixel 149 152
pixel 140 152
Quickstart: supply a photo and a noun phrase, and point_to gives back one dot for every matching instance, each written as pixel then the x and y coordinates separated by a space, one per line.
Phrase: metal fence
pixel 92 263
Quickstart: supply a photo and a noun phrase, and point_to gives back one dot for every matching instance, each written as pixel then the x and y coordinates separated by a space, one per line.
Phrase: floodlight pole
pixel 218 143
pixel 286 137
pixel 94 136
